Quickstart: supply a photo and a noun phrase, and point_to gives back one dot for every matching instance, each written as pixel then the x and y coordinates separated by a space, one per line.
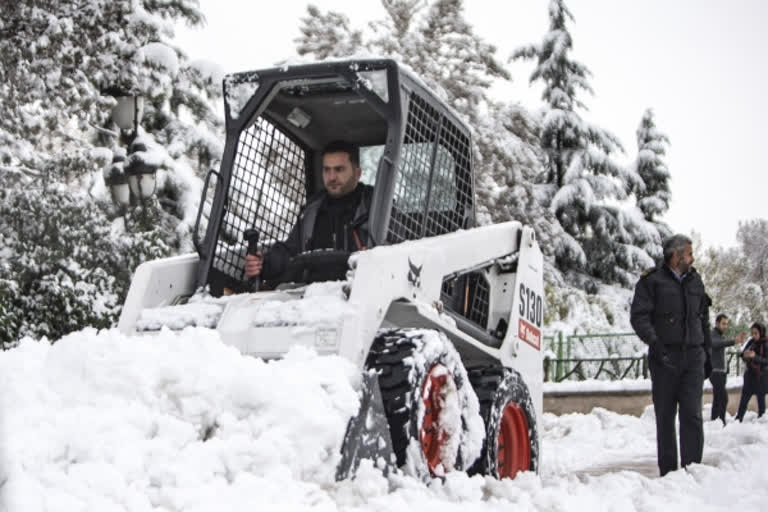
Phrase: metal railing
pixel 606 356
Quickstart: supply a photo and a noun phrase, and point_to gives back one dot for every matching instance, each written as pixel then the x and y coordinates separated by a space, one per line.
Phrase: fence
pixel 608 356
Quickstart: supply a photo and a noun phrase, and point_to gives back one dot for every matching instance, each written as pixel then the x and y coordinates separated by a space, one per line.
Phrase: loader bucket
pixel 367 435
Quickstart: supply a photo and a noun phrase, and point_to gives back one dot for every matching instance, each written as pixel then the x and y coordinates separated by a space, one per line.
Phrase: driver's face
pixel 340 176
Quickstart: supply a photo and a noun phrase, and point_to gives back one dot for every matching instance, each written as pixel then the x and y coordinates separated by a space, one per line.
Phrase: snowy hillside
pixel 100 421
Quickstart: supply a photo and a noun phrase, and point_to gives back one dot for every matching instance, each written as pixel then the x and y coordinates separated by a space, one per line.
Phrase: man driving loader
pixel 334 218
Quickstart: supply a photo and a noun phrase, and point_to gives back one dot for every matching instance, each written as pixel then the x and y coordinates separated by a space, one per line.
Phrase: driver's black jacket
pixel 667 312
pixel 324 223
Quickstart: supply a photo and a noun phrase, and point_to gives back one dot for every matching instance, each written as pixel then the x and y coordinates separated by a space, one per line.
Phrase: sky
pixel 699 64
pixel 180 421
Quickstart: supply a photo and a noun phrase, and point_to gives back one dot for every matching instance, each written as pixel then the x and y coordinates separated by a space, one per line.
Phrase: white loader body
pixel 388 286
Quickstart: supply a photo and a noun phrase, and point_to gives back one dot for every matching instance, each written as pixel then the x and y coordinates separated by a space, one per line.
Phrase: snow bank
pixel 178 421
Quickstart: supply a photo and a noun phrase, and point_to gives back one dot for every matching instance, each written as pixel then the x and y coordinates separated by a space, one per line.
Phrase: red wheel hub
pixel 514 451
pixel 434 435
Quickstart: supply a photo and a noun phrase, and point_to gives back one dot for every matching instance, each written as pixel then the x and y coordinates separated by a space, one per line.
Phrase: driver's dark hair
pixel 673 244
pixel 342 146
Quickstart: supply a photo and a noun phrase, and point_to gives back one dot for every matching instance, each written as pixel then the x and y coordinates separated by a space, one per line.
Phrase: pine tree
pixel 326 35
pixel 587 181
pixel 652 194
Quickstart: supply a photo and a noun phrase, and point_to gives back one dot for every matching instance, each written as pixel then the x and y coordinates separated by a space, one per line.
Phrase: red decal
pixel 529 334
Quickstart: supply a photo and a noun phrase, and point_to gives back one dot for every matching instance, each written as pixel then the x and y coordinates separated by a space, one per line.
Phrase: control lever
pixel 252 237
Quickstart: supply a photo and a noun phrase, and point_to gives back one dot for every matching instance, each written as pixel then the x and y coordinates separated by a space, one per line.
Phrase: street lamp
pixel 117 180
pixel 127 111
pixel 140 171
pixel 136 175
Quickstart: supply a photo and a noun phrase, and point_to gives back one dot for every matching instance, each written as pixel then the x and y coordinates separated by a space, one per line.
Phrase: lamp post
pixel 135 175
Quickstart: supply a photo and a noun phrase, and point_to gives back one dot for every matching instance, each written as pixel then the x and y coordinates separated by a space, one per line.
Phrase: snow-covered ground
pixel 100 421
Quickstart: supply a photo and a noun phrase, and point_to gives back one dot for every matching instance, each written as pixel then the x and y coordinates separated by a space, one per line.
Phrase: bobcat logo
pixel 414 274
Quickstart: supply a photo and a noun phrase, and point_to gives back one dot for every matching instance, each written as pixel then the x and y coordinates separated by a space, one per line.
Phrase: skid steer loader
pixel 442 317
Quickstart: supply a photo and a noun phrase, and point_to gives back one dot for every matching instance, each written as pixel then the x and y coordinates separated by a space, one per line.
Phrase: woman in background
pixel 756 376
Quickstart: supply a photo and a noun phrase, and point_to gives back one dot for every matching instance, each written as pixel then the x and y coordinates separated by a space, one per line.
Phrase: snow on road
pixel 101 421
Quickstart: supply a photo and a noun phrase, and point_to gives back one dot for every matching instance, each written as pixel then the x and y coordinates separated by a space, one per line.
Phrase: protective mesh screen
pixel 266 192
pixel 468 295
pixel 477 300
pixel 433 189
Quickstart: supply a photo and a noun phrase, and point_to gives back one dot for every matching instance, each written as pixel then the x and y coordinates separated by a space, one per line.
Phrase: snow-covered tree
pixel 752 236
pixel 58 59
pixel 58 56
pixel 737 277
pixel 652 194
pixel 588 183
pixel 326 35
pixel 60 267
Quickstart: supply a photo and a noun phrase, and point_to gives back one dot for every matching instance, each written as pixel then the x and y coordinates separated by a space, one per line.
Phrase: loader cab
pixel 414 151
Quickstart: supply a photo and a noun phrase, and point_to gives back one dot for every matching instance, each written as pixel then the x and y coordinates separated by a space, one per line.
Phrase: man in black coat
pixel 719 371
pixel 670 313
pixel 334 218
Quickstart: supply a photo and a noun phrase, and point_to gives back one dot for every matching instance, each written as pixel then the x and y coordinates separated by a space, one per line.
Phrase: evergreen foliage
pixel 57 60
pixel 58 56
pixel 652 193
pixel 589 185
pixel 51 281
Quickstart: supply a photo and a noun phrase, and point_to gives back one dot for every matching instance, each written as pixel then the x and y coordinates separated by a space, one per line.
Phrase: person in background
pixel 719 371
pixel 670 313
pixel 756 375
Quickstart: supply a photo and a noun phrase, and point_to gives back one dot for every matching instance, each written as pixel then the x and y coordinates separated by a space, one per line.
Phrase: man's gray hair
pixel 673 244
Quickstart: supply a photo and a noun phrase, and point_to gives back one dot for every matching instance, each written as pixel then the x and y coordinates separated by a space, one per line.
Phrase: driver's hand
pixel 253 264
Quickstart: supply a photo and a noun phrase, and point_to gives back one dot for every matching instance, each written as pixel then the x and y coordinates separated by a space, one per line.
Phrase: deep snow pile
pixel 100 421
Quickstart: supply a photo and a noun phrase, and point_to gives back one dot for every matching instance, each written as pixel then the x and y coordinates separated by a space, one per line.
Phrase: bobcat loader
pixel 442 317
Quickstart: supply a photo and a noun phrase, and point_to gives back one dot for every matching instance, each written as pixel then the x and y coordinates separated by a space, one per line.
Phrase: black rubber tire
pixel 393 355
pixel 495 387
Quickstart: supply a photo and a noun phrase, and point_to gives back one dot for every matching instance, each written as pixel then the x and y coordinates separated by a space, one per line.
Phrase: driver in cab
pixel 334 218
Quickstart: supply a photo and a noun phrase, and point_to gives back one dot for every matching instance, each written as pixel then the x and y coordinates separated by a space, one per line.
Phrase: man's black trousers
pixel 719 395
pixel 676 388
